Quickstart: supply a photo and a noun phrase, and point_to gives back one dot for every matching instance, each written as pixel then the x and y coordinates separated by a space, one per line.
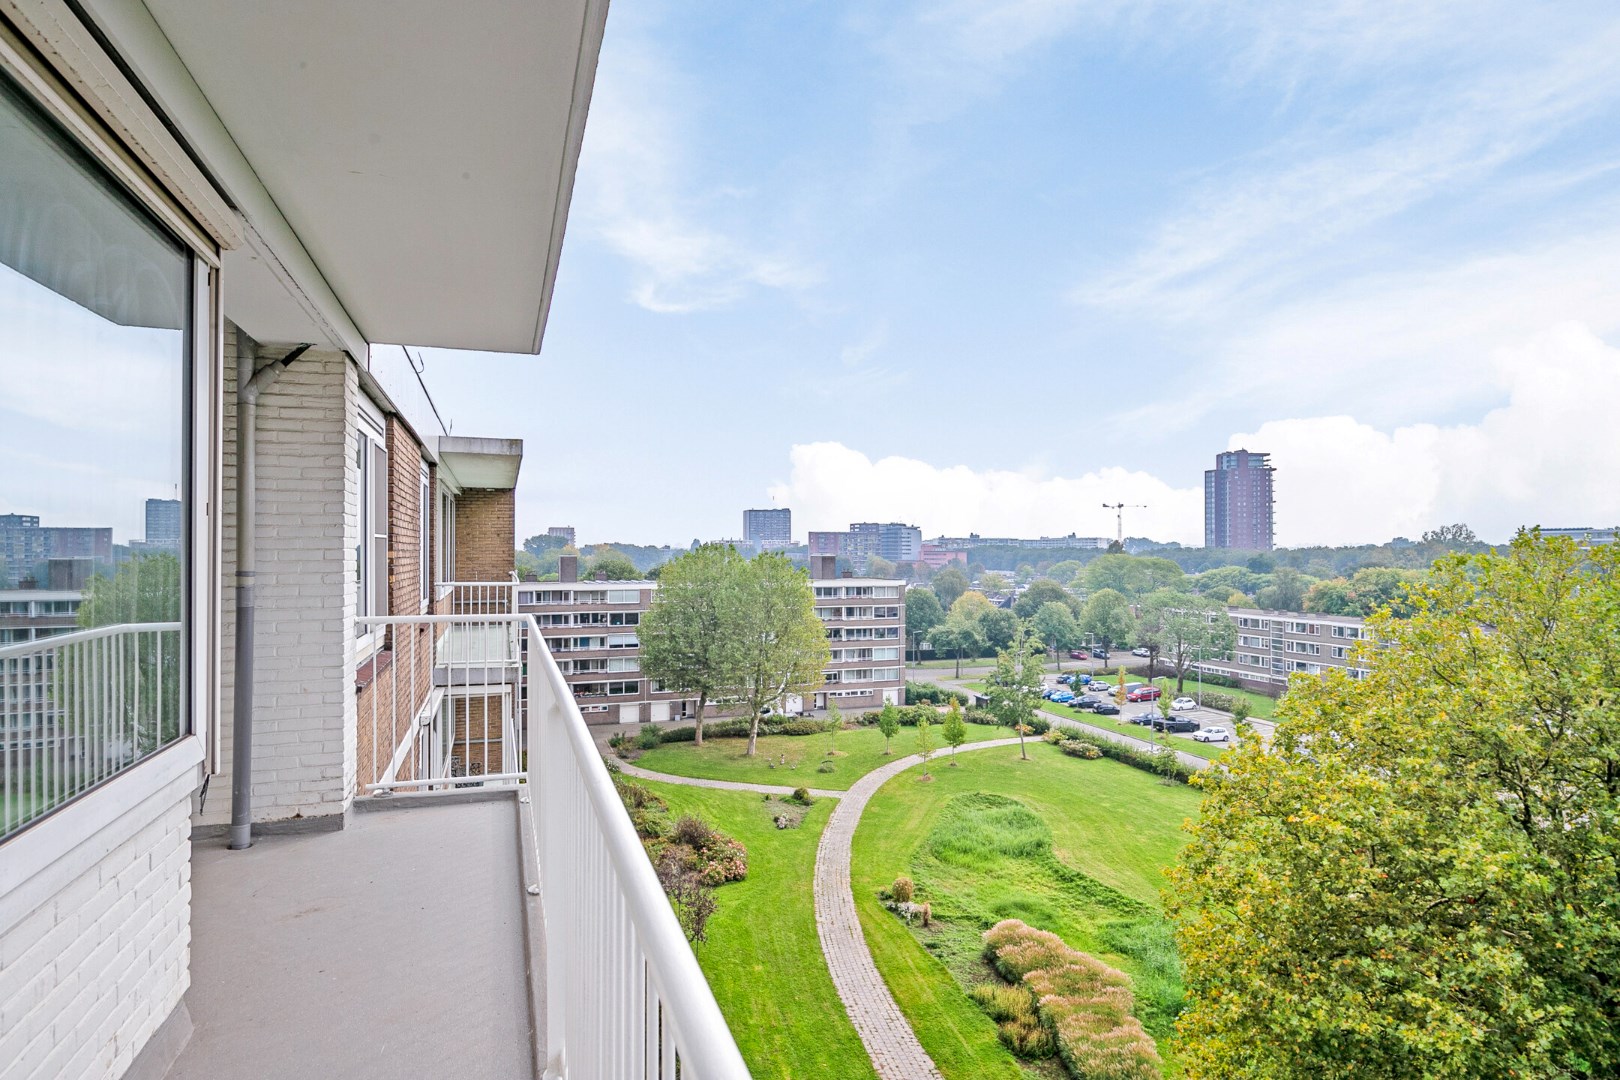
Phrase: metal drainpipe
pixel 247 416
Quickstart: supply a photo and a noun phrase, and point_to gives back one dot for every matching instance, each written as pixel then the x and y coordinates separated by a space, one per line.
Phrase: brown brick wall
pixel 406 529
pixel 486 535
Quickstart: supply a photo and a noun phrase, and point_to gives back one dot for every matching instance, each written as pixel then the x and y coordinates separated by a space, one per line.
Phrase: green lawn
pixel 763 957
pixel 1208 751
pixel 1110 822
pixel 794 759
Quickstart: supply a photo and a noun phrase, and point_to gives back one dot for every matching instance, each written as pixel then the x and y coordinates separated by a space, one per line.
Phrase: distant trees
pixel 948 584
pixel 1286 592
pixel 1107 617
pixel 1131 575
pixel 612 566
pixel 1416 875
pixel 994 582
pixel 956 636
pixel 999 626
pixel 1365 592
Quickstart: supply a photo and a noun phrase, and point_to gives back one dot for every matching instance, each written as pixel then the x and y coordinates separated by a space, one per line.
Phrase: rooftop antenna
pixel 1119 518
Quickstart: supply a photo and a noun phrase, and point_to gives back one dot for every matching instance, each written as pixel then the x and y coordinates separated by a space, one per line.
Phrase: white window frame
pixel 424 534
pixel 371 554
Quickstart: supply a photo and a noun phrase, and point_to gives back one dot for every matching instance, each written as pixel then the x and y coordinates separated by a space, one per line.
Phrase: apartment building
pixel 935 557
pixel 1043 543
pixel 564 533
pixel 592 629
pixel 766 530
pixel 865 620
pixel 1272 645
pixel 1238 505
pixel 215 215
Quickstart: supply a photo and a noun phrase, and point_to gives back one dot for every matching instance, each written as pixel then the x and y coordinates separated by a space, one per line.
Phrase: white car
pixel 1139 651
pixel 1211 734
pixel 1183 703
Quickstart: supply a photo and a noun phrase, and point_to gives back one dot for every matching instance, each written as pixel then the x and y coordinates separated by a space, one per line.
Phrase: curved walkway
pixel 890 1043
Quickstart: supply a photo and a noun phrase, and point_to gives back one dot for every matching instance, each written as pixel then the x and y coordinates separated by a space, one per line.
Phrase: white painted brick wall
pixel 304 704
pixel 89 975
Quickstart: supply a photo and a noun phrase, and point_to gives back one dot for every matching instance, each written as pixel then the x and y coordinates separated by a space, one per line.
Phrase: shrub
pixel 980 716
pixel 902 890
pixel 825 766
pixel 1076 748
pixel 798 727
pixel 692 898
pixel 694 832
pixel 1146 760
pixel 1216 700
pixel 802 796
pixel 1084 1004
pixel 649 738
pixel 930 694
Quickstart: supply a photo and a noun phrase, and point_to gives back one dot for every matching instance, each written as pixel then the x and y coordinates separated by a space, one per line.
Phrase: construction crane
pixel 1119 518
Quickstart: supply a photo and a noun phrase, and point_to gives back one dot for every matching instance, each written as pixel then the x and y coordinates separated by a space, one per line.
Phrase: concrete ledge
pixel 534 931
pixel 298 826
pixel 161 1050
pixel 405 801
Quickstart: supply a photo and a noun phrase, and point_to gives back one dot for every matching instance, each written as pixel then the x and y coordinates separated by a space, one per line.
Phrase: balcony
pixel 489 911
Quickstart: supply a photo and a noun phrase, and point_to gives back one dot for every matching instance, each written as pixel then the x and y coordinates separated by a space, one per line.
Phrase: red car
pixel 1145 693
pixel 1077 654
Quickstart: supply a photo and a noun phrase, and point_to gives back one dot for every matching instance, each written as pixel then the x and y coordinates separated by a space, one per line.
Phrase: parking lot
pixel 1205 718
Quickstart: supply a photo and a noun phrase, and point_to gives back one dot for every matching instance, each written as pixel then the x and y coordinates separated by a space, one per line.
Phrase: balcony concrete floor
pixel 393 948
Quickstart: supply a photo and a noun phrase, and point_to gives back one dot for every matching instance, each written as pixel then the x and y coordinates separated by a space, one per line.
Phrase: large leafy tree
pixel 1107 617
pixel 1419 876
pixel 948 584
pixel 1285 592
pixel 1044 591
pixel 1131 575
pixel 1015 687
pixel 689 637
pixel 957 636
pixel 1184 628
pixel 145 668
pixel 1000 628
pixel 923 613
pixel 1055 624
pixel 781 647
pixel 612 566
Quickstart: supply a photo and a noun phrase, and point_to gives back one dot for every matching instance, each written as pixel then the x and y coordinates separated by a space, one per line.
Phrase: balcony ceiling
pixel 422 151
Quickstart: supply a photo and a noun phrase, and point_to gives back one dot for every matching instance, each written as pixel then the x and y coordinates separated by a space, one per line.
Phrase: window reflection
pixel 95 327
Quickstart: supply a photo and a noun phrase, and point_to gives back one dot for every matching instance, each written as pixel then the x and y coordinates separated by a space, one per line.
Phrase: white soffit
pixel 423 151
pixel 481 463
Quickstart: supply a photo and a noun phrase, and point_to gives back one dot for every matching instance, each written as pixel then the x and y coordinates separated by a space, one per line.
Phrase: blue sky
pixel 986 265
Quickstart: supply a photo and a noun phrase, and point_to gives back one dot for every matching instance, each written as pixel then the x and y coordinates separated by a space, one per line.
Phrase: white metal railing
pixel 481 597
pixel 76 709
pixel 443 707
pixel 624 994
pixel 625 997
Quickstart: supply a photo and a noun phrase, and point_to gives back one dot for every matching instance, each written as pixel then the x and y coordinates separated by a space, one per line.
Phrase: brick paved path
pixel 889 1040
pixel 721 785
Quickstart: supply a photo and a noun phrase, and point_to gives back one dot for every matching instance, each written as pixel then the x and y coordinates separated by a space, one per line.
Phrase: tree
pixel 1416 876
pixel 954 730
pixel 971 606
pixel 994 582
pixel 143 666
pixel 925 741
pixel 957 635
pixel 1452 536
pixel 835 724
pixel 1044 591
pixel 1286 592
pixel 1379 587
pixel 923 613
pixel 690 635
pixel 781 644
pixel 1107 617
pixel 1184 628
pixel 999 626
pixel 948 584
pixel 1055 625
pixel 1015 687
pixel 540 545
pixel 613 566
pixel 1331 598
pixel 888 724
pixel 878 566
pixel 1131 575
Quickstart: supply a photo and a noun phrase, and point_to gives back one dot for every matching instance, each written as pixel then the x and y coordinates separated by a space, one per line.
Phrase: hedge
pixel 738 729
pixel 1146 760
pixel 909 715
pixel 929 694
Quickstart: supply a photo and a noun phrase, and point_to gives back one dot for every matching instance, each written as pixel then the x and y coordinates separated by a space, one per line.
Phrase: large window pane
pixel 95 331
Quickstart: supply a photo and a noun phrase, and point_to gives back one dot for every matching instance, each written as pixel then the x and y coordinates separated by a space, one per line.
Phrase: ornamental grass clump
pixel 1085 1004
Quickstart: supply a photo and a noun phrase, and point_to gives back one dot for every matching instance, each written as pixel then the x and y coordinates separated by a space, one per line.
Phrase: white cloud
pixel 1548 456
pixel 831 485
pixel 645 197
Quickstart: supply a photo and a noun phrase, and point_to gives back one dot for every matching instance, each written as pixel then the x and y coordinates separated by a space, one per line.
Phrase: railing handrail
pixel 45 644
pixel 705 1041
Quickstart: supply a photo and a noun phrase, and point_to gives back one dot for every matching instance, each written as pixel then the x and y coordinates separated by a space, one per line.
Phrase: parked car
pixel 1077 654
pixel 1063 697
pixel 1139 651
pixel 1144 718
pixel 1212 734
pixel 1132 687
pixel 1106 708
pixel 1183 703
pixel 1066 680
pixel 1087 701
pixel 1144 693
pixel 1099 654
pixel 1175 724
